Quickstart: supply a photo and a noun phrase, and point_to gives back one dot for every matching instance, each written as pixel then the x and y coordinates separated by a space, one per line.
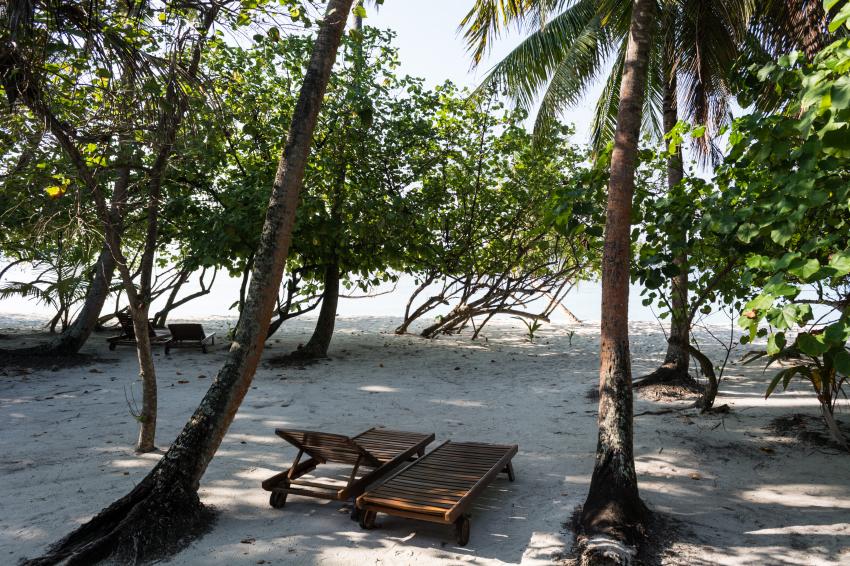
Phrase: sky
pixel 431 47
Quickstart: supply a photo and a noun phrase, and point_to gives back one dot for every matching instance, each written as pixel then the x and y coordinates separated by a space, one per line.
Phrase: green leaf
pixel 840 262
pixel 811 344
pixel 841 362
pixel 763 301
pixel 841 93
pixel 838 332
pixel 746 232
pixel 806 270
pixel 775 343
pixel 841 17
pixel 698 132
pixel 780 289
pixel 774 382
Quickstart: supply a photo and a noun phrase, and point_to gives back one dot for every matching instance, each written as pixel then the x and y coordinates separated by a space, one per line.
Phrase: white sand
pixel 67 436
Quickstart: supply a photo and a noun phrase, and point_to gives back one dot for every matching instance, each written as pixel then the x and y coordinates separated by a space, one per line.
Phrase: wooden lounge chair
pixel 191 334
pixel 440 486
pixel 378 450
pixel 128 333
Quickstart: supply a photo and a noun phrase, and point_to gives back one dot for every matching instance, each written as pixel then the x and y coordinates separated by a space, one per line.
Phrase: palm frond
pixel 605 116
pixel 28 291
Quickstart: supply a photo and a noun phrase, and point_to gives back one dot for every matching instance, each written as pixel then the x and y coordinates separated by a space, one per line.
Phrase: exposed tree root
pixel 654 541
pixel 605 551
pixel 151 522
pixel 669 375
pixel 606 546
pixel 303 354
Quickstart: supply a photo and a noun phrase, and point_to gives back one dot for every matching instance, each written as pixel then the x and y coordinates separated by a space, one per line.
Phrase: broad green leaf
pixel 811 344
pixel 807 270
pixel 840 262
pixel 841 362
pixel 775 343
pixel 838 332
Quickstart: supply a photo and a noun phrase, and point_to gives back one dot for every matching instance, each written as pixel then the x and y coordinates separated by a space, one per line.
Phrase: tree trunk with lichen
pixel 163 511
pixel 613 508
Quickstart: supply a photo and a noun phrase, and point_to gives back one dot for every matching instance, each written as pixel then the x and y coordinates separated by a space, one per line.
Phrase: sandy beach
pixel 736 490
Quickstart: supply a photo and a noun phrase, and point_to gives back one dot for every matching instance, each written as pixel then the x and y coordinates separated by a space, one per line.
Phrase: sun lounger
pixel 440 486
pixel 128 333
pixel 191 334
pixel 377 450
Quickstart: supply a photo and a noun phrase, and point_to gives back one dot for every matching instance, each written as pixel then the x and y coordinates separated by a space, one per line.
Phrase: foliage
pixel 372 125
pixel 790 172
pixel 505 220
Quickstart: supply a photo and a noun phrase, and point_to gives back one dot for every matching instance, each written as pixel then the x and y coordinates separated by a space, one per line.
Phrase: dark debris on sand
pixel 807 429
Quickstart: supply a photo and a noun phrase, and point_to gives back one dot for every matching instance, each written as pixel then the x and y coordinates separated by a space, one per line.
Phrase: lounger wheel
pixel 112 345
pixel 204 349
pixel 167 349
pixel 462 530
pixel 367 519
pixel 278 499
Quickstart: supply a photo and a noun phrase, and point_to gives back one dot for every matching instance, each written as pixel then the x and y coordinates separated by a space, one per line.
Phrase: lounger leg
pixel 367 519
pixel 462 530
pixel 509 469
pixel 278 498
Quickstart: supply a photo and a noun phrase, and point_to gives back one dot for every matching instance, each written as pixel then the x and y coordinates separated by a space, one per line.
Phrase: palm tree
pixel 613 508
pixel 695 49
pixel 581 39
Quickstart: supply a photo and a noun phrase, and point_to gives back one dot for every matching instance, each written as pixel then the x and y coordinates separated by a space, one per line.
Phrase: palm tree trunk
pixel 677 349
pixel 674 370
pixel 613 508
pixel 164 508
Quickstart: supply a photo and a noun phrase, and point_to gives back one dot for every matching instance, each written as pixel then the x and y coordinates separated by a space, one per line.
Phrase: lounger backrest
pixel 328 447
pixel 187 331
pixel 127 327
pixel 126 322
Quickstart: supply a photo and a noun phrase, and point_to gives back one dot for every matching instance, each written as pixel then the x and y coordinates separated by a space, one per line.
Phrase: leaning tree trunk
pixel 317 346
pixel 163 510
pixel 674 370
pixel 77 333
pixel 75 336
pixel 613 509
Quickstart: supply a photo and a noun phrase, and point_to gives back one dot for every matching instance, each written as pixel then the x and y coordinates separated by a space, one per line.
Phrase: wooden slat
pixel 460 470
pixel 436 518
pixel 419 508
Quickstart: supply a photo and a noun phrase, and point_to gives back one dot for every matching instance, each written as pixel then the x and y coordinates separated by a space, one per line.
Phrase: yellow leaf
pixel 55 191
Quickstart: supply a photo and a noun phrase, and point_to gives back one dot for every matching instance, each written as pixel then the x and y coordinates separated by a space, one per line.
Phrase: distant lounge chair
pixel 192 334
pixel 128 333
pixel 378 450
pixel 440 486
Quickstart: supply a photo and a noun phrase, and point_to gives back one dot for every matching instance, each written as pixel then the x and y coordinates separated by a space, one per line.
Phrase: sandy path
pixel 742 495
